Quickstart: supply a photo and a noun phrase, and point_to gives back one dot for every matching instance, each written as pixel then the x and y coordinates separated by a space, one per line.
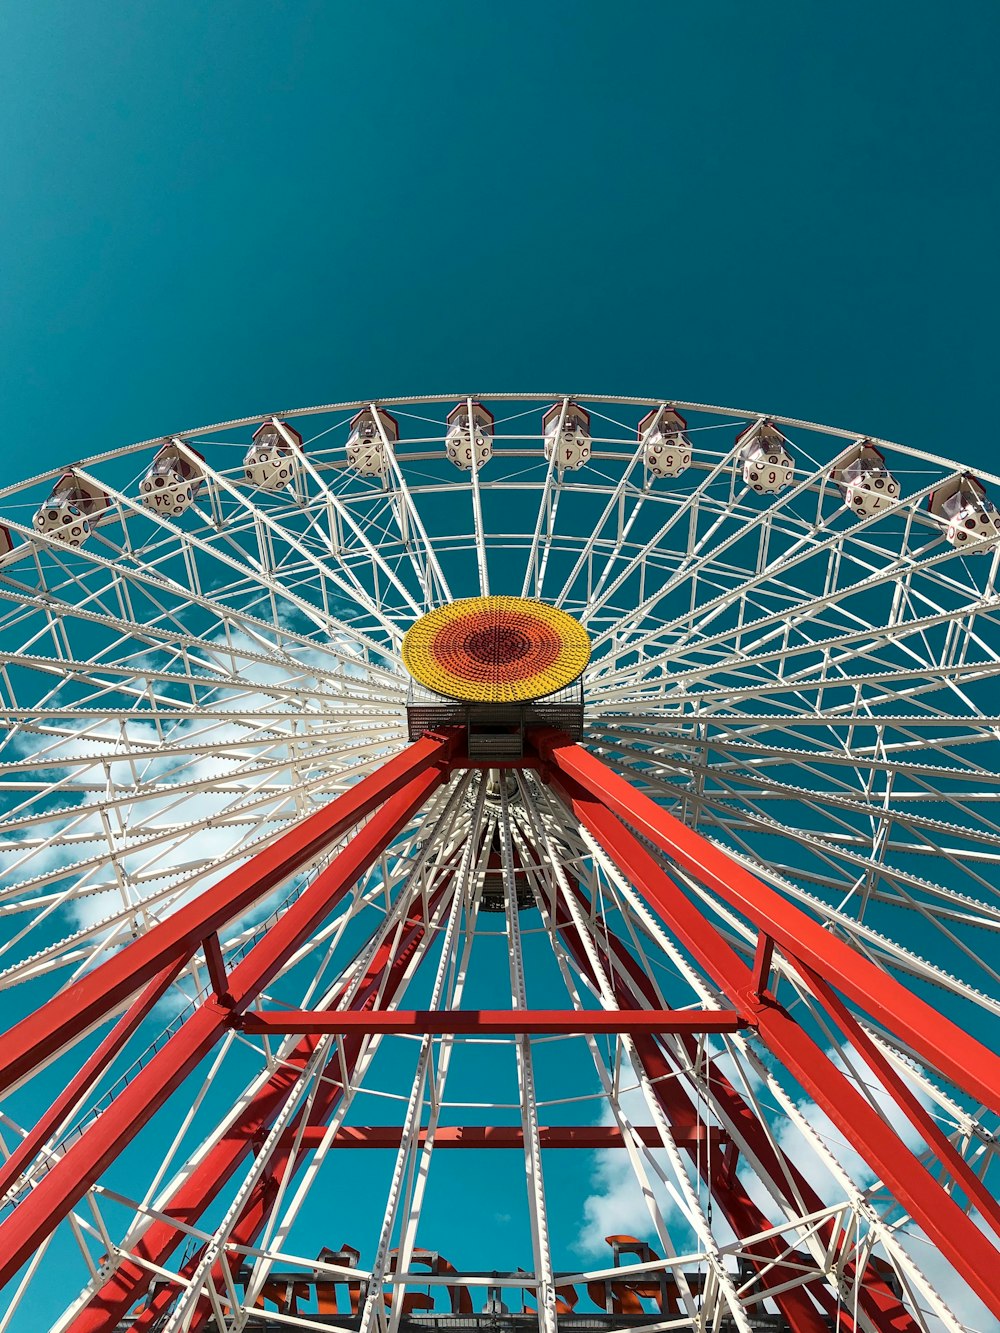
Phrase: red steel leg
pixel 904 1097
pixel 945 1046
pixel 740 1211
pixel 884 1310
pixel 82 1163
pixel 43 1034
pixel 958 1238
pixel 392 961
pixel 86 1078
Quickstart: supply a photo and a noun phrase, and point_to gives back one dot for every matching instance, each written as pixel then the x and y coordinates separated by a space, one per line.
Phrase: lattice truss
pixel 267 966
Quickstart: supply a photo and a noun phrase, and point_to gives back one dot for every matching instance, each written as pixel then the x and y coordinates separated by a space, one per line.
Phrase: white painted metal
pixel 814 690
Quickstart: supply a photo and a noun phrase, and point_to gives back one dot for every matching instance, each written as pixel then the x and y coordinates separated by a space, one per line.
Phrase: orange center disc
pixel 496 649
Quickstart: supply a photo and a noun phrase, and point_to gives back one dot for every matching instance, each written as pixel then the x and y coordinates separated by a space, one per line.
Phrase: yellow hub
pixel 496 649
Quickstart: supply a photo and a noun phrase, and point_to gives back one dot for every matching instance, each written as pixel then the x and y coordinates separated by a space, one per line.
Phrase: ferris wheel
pixel 575 810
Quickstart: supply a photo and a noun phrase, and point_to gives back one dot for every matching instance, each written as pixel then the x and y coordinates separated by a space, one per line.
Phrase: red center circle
pixel 502 643
pixel 486 644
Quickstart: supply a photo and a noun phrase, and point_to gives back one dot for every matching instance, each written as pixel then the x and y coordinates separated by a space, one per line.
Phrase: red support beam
pixel 197 1190
pixel 384 978
pixel 216 965
pixel 60 1021
pixel 59 1190
pixel 961 1242
pixel 591 1137
pixel 685 1124
pixel 886 1313
pixel 79 1086
pixel 940 1042
pixel 905 1098
pixel 496 1022
pixel 762 957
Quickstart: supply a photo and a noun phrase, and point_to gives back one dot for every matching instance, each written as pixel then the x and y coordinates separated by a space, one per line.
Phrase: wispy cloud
pixel 616 1202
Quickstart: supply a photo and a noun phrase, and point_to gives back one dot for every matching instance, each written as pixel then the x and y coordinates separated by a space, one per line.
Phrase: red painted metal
pixel 383 979
pixel 763 955
pixel 57 1024
pixel 955 1234
pixel 496 1022
pixel 216 966
pixel 905 1098
pixel 630 982
pixel 83 1162
pixel 81 1084
pixel 188 1202
pixel 940 1042
pixel 745 987
pixel 590 1137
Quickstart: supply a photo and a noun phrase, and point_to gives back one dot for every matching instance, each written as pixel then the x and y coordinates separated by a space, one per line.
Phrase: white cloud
pixel 616 1202
pixel 181 850
pixel 963 1303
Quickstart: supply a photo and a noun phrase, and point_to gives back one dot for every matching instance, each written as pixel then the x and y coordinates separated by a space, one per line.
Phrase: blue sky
pixel 219 210
pixel 211 210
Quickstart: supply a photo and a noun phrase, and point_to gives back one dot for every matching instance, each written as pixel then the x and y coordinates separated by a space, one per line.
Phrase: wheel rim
pixel 810 691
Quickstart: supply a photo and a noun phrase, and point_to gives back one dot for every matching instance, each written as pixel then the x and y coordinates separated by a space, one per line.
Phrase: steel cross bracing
pixel 797 1278
pixel 565 900
pixel 977 1070
pixel 723 817
pixel 810 689
pixel 384 965
pixel 212 1254
pixel 761 1147
pixel 740 804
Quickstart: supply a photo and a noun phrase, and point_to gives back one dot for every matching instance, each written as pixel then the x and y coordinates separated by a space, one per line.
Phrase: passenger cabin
pixel 272 458
pixel 173 480
pixel 461 437
pixel 67 514
pixel 366 445
pixel 766 464
pixel 666 447
pixel 864 481
pixel 567 435
pixel 970 519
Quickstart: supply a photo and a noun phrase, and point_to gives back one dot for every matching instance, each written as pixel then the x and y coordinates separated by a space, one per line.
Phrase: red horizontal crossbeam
pixel 592 1137
pixel 495 1022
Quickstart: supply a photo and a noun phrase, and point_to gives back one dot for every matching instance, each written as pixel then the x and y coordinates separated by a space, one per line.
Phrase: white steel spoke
pixel 806 678
pixel 432 576
pixel 676 520
pixel 249 567
pixel 538 1212
pixel 545 516
pixel 477 507
pixel 614 506
pixel 350 586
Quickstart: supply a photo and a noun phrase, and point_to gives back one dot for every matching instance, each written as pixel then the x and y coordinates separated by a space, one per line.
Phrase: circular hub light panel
pixel 496 650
